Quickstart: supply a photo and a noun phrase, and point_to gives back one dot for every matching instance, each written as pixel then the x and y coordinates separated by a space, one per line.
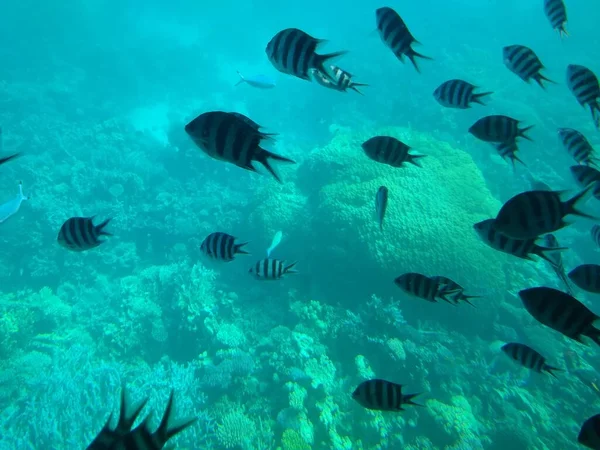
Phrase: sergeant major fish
pixel 340 80
pixel 528 357
pixel 421 286
pixel 389 150
pixel 222 247
pixel 382 395
pixel 556 12
pixel 456 291
pixel 508 150
pixel 586 277
pixel 524 63
pixel 381 200
pixel 79 233
pixel 257 81
pixel 498 128
pixel 583 84
pixel 272 269
pixel 577 146
pixel 458 94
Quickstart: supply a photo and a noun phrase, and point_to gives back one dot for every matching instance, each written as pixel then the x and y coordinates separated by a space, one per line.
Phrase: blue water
pixel 96 94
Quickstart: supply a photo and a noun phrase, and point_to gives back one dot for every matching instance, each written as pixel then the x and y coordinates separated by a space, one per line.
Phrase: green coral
pixel 291 440
pixel 236 429
pixel 322 372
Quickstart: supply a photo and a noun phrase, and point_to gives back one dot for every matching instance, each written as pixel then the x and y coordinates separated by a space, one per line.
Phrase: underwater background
pixel 95 94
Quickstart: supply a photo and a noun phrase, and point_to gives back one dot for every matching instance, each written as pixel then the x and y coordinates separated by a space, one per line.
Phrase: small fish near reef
pixel 556 12
pixel 523 62
pixel 458 94
pixel 455 290
pixel 423 287
pixel 222 247
pixel 338 80
pixel 382 395
pixel 528 357
pixel 257 81
pixel 381 201
pixel 498 128
pixel 272 269
pixel 584 85
pixel 578 146
pixel 11 207
pixel 390 151
pixel 79 233
pixel 275 242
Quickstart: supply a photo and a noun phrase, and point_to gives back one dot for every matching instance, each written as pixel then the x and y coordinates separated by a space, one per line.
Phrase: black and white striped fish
pixel 584 85
pixel 293 52
pixel 395 34
pixel 556 12
pixel 226 137
pixel 381 200
pixel 561 312
pixel 524 63
pixel 508 151
pixel 382 395
pixel 521 248
pixel 595 233
pixel 457 292
pixel 79 233
pixel 531 214
pixel 589 435
pixel 577 146
pixel 586 277
pixel 498 129
pixel 222 247
pixel 254 125
pixel 272 269
pixel 338 80
pixel 389 150
pixel 585 176
pixel 140 438
pixel 556 261
pixel 528 357
pixel 458 94
pixel 423 287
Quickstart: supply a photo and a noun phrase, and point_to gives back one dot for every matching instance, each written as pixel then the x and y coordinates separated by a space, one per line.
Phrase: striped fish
pixel 577 146
pixel 141 438
pixel 528 357
pixel 382 395
pixel 530 214
pixel 423 287
pixel 339 80
pixel 389 150
pixel 556 263
pixel 222 247
pixel 293 52
pixel 395 34
pixel 561 312
pixel 583 84
pixel 556 12
pixel 595 233
pixel 589 435
pixel 498 129
pixel 524 63
pixel 272 269
pixel 521 248
pixel 227 137
pixel 457 292
pixel 586 277
pixel 586 176
pixel 79 233
pixel 254 125
pixel 458 94
pixel 381 200
pixel 508 151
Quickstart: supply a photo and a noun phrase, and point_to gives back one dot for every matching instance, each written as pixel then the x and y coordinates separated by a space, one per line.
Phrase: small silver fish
pixel 257 81
pixel 11 207
pixel 381 200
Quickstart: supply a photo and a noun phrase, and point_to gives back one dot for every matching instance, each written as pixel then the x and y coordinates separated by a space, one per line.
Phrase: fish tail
pixel 289 268
pixel 539 78
pixel 412 55
pixel 466 298
pixel 126 421
pixel 407 400
pixel 541 252
pixel 353 86
pixel 100 228
pixel 242 79
pixel 562 32
pixel 163 433
pixel 516 158
pixel 263 158
pixel 320 61
pixel 551 369
pixel 522 132
pixel 570 205
pixel 414 159
pixel 238 249
pixel 476 98
pixel 8 158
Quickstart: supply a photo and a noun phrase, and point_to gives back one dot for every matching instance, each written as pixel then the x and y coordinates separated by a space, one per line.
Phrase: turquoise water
pixel 96 94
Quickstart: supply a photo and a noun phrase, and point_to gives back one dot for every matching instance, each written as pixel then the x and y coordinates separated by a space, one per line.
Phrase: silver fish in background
pixel 423 287
pixel 293 52
pixel 395 34
pixel 272 269
pixel 556 12
pixel 257 81
pixel 381 200
pixel 528 357
pixel 458 94
pixel 523 62
pixel 338 80
pixel 389 150
pixel 577 146
pixel 583 84
pixel 382 395
pixel 455 290
pixel 531 214
pixel 227 137
pixel 521 248
pixel 561 312
pixel 5 159
pixel 595 233
pixel 556 263
pixel 589 435
pixel 11 207
pixel 586 277
pixel 79 233
pixel 508 151
pixel 497 128
pixel 222 247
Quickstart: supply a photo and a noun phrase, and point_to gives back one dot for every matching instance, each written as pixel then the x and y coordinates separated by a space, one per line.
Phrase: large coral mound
pixel 428 227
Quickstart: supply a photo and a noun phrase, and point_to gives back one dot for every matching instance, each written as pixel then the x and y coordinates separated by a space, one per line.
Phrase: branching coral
pixel 236 429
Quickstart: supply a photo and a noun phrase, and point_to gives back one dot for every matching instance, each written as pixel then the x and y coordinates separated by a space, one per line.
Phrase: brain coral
pixel 429 220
